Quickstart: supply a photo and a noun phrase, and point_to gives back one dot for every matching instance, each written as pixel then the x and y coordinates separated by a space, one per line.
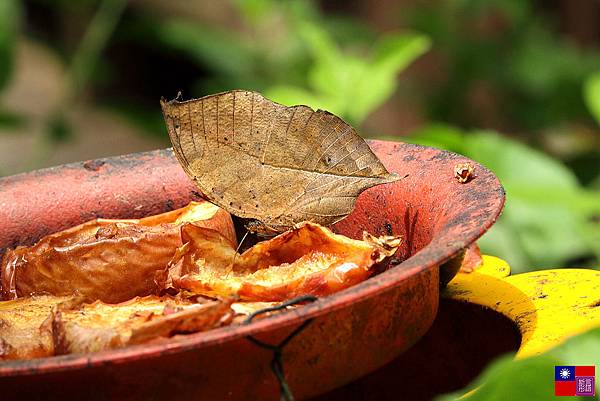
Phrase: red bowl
pixel 353 332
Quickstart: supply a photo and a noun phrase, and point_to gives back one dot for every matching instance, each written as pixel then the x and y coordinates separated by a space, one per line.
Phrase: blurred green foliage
pixel 592 95
pixel 549 217
pixel 267 52
pixel 302 63
pixel 10 16
pixel 93 42
pixel 10 20
pixel 348 85
pixel 532 378
pixel 535 74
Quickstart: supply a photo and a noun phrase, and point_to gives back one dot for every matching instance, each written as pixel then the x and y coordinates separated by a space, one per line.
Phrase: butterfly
pixel 270 163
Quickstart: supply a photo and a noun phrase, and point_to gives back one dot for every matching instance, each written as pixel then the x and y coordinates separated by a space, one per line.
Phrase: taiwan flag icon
pixel 574 380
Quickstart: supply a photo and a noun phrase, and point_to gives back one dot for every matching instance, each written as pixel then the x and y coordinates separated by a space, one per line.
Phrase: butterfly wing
pixel 280 165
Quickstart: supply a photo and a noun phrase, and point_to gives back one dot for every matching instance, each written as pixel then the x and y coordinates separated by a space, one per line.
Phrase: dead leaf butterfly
pixel 275 164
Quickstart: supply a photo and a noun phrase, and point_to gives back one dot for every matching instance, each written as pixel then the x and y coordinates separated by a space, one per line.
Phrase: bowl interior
pixel 436 215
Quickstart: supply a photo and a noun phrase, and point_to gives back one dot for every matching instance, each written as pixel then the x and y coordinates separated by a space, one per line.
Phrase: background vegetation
pixel 513 84
pixel 532 378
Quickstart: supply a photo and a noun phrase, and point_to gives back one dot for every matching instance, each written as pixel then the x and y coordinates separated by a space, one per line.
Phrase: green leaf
pixel 441 136
pixel 292 96
pixel 518 164
pixel 328 75
pixel 591 93
pixel 10 17
pixel 219 50
pixel 548 219
pixel 549 234
pixel 503 240
pixel 506 379
pixel 377 82
pixel 395 52
pixel 513 162
pixel 358 85
pixel 255 11
pixel 548 212
pixel 531 378
pixel 583 350
pixel 320 43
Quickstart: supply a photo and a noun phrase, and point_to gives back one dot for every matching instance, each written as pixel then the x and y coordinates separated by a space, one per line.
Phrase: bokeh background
pixel 513 84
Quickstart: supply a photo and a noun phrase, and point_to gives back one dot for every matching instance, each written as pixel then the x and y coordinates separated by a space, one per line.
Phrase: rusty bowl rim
pixel 367 289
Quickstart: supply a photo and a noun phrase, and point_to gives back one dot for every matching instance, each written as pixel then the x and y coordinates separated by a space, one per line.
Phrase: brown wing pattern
pixel 280 165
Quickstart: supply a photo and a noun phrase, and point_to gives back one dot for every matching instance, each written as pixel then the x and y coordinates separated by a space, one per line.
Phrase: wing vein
pixel 192 129
pixel 233 119
pixel 348 175
pixel 316 146
pixel 262 159
pixel 287 129
pixel 334 142
pixel 203 123
pixel 252 116
pixel 319 145
pixel 177 136
pixel 337 163
pixel 324 214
